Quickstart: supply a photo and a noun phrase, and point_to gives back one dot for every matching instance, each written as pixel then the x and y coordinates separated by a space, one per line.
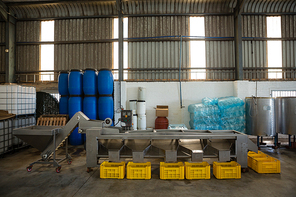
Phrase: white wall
pixel 244 89
pixel 168 93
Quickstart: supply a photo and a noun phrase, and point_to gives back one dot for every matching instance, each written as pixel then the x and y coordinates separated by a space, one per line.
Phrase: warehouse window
pixel 197 48
pixel 47 50
pixel 283 93
pixel 274 47
pixel 125 48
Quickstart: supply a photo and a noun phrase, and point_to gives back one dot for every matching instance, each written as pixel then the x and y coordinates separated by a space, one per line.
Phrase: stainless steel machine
pixel 115 143
pixel 47 139
pixel 225 145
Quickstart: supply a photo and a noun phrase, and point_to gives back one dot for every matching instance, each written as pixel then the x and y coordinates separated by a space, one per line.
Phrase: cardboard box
pixel 162 111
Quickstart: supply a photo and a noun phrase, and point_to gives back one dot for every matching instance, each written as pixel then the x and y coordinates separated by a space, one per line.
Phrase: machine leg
pixel 258 143
pixel 89 170
pixel 276 141
pixel 290 144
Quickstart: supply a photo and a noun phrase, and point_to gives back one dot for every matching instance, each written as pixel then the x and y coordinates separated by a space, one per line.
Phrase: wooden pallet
pixel 52 120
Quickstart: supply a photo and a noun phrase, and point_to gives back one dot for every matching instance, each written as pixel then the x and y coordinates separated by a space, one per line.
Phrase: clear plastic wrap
pixel 226 113
pixel 209 101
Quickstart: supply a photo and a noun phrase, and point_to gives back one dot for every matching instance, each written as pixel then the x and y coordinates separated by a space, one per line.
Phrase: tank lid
pixel 259 97
pixel 75 70
pixel 64 71
pixel 91 69
pixel 293 97
pixel 105 69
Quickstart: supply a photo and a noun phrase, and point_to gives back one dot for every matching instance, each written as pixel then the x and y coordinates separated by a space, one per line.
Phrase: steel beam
pixel 10 46
pixel 120 39
pixel 239 75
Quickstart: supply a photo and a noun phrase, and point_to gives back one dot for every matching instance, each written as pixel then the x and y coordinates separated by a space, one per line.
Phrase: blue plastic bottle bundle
pixel 227 113
pixel 209 101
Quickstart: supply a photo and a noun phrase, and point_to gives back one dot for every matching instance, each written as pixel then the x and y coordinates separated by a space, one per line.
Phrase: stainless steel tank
pixel 260 116
pixel 286 115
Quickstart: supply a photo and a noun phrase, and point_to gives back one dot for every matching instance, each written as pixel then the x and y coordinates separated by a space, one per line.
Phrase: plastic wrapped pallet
pixel 225 113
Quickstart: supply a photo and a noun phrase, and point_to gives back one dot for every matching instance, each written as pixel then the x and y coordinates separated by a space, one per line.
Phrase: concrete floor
pixel 75 181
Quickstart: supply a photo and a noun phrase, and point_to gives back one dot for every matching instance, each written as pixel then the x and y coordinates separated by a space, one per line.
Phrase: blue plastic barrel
pixel 75 82
pixel 90 81
pixel 105 82
pixel 105 107
pixel 63 83
pixel 90 107
pixel 63 105
pixel 75 105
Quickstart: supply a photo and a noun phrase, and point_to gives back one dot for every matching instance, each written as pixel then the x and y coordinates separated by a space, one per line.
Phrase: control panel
pixel 126 119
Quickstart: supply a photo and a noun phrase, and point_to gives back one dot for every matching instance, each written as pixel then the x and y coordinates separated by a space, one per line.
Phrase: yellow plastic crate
pixel 254 153
pixel 138 170
pixel 254 156
pixel 171 170
pixel 227 170
pixel 197 170
pixel 266 165
pixel 109 170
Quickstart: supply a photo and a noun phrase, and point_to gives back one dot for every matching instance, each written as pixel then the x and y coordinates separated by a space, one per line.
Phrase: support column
pixel 239 75
pixel 120 40
pixel 10 46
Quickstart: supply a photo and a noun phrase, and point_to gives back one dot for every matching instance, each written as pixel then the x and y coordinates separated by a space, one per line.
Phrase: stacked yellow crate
pixel 263 163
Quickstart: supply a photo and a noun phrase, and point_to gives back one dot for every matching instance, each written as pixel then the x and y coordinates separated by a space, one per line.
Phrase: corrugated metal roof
pixel 270 6
pixel 64 9
pixel 94 8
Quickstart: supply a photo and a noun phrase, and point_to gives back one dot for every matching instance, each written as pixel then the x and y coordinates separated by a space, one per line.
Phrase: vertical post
pixel 120 40
pixel 10 46
pixel 258 143
pixel 238 40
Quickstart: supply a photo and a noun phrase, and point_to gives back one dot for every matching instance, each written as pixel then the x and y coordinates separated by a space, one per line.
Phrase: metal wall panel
pixel 149 55
pixel 254 52
pixel 2 32
pixel 27 56
pixel 2 50
pixel 220 54
pixel 158 26
pixel 289 46
pixel 159 55
pixel 80 56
